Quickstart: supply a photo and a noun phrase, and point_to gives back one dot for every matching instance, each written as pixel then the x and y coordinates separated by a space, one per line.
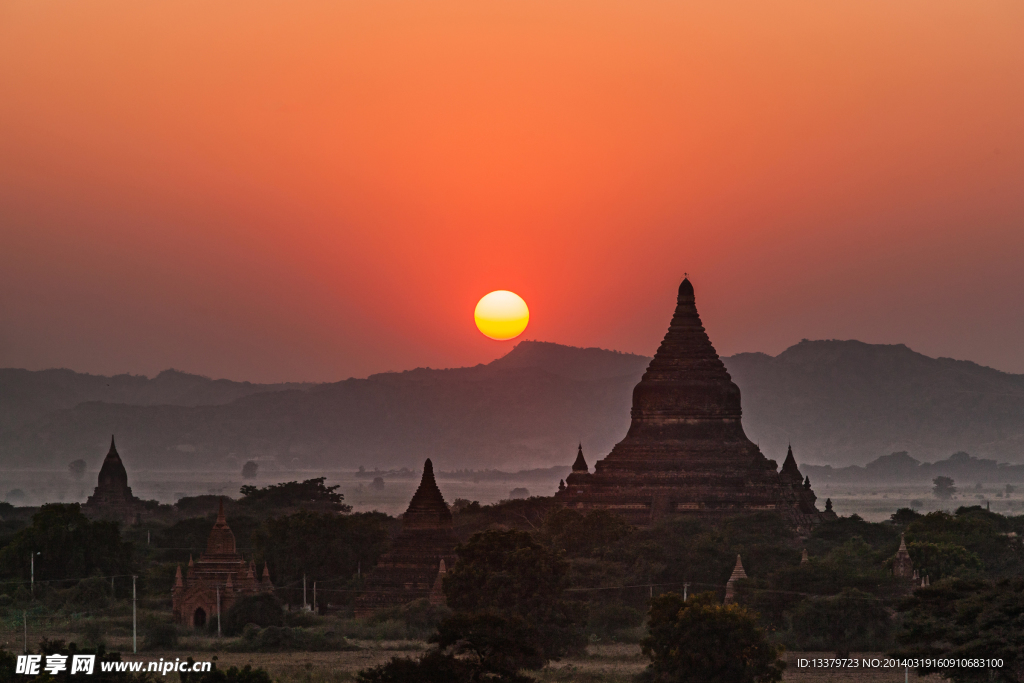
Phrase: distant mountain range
pixel 838 402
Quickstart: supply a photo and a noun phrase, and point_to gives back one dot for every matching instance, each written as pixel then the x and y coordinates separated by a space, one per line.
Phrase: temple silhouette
pixel 685 451
pixel 112 498
pixel 419 555
pixel 217 580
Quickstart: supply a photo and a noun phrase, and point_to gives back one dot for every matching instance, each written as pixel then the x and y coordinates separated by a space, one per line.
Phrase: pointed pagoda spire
pixel 427 509
pixel 902 565
pixel 221 540
pixel 580 465
pixel 790 473
pixel 737 574
pixel 561 484
pixel 178 583
pixel 265 581
pixel 807 482
pixel 251 571
pixel 221 519
pixel 737 571
pixel 112 472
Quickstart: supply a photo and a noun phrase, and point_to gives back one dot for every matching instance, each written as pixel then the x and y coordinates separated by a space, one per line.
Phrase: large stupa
pixel 686 451
pixel 419 556
pixel 112 498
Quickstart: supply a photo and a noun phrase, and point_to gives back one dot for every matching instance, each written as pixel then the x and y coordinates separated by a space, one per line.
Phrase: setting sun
pixel 502 315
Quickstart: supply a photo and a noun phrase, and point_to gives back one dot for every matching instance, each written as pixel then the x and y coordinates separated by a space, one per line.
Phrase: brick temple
pixel 217 580
pixel 686 451
pixel 112 497
pixel 419 555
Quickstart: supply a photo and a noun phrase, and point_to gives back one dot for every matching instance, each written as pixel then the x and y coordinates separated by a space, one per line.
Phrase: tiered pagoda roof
pixel 686 450
pixel 420 552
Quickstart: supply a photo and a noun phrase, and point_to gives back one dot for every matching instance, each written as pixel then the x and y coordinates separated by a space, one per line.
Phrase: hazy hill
pixel 847 402
pixel 839 402
pixel 26 396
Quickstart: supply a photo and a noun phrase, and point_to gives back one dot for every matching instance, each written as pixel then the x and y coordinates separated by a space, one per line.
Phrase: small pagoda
pixel 217 580
pixel 112 497
pixel 686 451
pixel 419 555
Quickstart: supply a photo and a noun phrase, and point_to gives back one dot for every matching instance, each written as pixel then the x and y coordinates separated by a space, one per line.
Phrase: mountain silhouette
pixel 838 402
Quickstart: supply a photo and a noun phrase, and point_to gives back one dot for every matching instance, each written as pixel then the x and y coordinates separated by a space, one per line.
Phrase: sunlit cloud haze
pixel 310 191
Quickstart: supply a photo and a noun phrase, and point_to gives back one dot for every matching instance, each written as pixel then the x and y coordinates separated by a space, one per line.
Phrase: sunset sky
pixel 316 190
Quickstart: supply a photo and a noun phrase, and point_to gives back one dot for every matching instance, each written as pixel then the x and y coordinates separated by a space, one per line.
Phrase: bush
pixel 852 620
pixel 93 593
pixel 609 621
pixel 263 610
pixel 419 616
pixel 276 639
pixel 160 636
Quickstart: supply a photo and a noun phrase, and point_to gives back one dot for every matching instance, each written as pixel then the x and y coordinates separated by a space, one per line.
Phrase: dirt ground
pixel 602 664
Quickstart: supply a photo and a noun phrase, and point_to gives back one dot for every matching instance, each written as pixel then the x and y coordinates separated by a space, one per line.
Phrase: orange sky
pixel 313 190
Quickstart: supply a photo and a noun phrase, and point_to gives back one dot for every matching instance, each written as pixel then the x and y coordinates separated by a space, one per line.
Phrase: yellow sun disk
pixel 502 315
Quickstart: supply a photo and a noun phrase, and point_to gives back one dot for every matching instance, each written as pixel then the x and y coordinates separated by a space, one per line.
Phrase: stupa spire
pixel 790 473
pixel 580 465
pixel 427 508
pixel 737 574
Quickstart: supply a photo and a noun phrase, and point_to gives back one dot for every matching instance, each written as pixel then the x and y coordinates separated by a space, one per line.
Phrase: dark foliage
pixel 507 572
pixel 321 546
pixel 702 641
pixel 160 635
pixel 311 494
pixel 262 609
pixel 844 623
pixel 70 546
pixel 967 618
pixel 496 645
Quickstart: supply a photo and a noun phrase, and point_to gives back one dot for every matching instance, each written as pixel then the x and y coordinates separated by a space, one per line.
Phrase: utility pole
pixel 685 586
pixel 135 622
pixel 32 562
pixel 24 621
pixel 218 611
pixel 304 603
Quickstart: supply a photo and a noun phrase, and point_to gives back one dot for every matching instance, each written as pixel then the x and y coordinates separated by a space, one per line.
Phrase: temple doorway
pixel 199 618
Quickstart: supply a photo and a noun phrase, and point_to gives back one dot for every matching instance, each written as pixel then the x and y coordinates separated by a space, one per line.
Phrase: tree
pixel 944 488
pixel 77 468
pixel 700 641
pixel 69 546
pixel 939 560
pixel 508 573
pixel 320 545
pixel 966 619
pixel 852 620
pixel 904 516
pixel 262 609
pixel 311 492
pixel 249 469
pixel 496 645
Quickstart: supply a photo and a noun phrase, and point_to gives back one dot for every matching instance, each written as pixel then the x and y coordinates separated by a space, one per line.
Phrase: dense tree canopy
pixel 969 619
pixel 508 573
pixel 311 494
pixel 702 641
pixel 320 546
pixel 67 546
